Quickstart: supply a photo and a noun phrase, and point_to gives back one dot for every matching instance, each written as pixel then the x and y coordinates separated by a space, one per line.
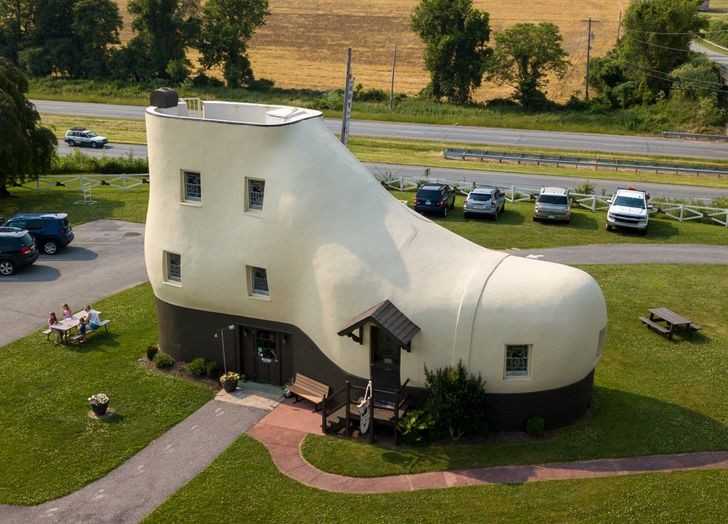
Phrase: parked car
pixel 553 203
pixel 485 201
pixel 51 231
pixel 17 250
pixel 435 198
pixel 80 136
pixel 629 208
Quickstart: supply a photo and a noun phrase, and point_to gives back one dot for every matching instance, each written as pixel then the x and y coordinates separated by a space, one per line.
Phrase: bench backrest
pixel 310 384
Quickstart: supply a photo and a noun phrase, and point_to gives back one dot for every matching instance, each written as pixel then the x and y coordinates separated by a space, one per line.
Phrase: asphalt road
pixel 451 133
pixel 499 178
pixel 105 257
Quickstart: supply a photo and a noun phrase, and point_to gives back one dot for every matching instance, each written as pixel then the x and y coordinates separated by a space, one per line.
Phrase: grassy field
pixel 652 395
pixel 244 485
pixel 309 37
pixel 427 153
pixel 49 445
pixel 514 228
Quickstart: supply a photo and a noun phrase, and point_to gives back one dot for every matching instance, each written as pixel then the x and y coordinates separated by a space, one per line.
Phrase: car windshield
pixel 480 197
pixel 553 199
pixel 429 194
pixel 629 202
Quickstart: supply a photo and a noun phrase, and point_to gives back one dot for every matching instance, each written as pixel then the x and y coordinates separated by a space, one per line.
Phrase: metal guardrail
pixel 578 162
pixel 677 211
pixel 695 136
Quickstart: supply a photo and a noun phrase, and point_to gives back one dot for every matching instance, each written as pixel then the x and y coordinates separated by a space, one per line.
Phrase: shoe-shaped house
pixel 272 250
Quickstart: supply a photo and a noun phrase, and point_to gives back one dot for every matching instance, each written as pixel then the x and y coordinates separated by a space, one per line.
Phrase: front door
pixel 261 355
pixel 385 357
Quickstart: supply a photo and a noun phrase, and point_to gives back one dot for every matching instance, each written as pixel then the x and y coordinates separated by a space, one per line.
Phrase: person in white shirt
pixel 92 316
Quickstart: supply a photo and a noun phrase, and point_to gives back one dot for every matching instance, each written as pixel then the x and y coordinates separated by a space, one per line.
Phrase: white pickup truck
pixel 629 208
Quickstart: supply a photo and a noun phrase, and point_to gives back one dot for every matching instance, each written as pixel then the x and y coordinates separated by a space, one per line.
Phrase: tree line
pixel 80 38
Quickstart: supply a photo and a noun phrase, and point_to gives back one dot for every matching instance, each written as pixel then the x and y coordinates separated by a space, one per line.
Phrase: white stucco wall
pixel 334 243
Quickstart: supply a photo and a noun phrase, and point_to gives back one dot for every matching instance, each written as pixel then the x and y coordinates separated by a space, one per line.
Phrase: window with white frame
pixel 191 186
pixel 517 357
pixel 173 267
pixel 254 193
pixel 258 282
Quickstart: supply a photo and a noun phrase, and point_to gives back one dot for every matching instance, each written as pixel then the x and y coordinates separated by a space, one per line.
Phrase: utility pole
pixel 588 56
pixel 391 88
pixel 348 95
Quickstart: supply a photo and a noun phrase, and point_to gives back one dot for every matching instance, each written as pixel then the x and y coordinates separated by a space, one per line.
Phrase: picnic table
pixel 667 322
pixel 65 327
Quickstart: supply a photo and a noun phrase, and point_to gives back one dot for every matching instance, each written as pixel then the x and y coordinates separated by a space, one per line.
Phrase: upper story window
pixel 254 193
pixel 191 186
pixel 517 359
pixel 173 267
pixel 258 282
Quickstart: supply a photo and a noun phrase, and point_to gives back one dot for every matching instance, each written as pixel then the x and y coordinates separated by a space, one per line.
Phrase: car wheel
pixel 465 214
pixel 50 248
pixel 609 228
pixel 7 268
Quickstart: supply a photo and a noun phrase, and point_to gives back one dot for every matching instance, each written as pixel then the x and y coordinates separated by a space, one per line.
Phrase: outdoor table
pixel 64 328
pixel 672 319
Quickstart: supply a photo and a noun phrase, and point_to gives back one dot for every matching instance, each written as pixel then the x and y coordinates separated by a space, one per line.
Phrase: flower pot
pixel 99 409
pixel 230 385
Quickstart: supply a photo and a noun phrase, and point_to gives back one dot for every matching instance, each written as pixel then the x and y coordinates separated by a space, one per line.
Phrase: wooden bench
pixel 657 327
pixel 47 332
pixel 308 388
pixel 103 324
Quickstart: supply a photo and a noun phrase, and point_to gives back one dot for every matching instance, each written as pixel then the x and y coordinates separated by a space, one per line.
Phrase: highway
pixel 452 133
pixel 499 178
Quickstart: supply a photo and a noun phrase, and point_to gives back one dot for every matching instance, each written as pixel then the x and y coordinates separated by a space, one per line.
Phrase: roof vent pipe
pixel 163 97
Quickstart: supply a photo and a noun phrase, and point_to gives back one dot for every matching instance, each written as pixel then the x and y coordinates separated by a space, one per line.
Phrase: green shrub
pixel 164 361
pixel 197 367
pixel 212 369
pixel 417 427
pixel 535 426
pixel 77 162
pixel 152 351
pixel 456 401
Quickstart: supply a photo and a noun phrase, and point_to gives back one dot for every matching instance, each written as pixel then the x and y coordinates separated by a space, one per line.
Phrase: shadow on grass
pixel 578 221
pixel 657 230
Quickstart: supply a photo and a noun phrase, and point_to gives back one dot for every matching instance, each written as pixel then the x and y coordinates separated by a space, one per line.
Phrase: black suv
pixel 51 231
pixel 435 198
pixel 17 250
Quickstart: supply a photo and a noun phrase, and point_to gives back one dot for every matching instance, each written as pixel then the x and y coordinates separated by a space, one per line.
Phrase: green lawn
pixel 243 485
pixel 48 445
pixel 652 395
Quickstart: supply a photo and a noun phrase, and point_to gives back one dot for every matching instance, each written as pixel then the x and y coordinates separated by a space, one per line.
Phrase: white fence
pixel 677 211
pixel 87 182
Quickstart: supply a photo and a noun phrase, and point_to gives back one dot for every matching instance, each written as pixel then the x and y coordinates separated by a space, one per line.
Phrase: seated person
pixel 82 329
pixel 67 313
pixel 92 317
pixel 52 319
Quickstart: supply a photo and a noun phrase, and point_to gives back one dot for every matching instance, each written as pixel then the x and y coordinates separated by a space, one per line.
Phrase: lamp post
pixel 220 333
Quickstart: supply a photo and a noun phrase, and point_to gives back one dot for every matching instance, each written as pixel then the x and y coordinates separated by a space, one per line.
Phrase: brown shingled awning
pixel 386 316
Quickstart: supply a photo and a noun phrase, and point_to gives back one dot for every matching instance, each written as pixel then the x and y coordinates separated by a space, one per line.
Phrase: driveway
pixel 105 257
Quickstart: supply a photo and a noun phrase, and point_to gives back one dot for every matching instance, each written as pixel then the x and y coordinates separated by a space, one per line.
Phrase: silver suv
pixel 80 136
pixel 485 201
pixel 553 203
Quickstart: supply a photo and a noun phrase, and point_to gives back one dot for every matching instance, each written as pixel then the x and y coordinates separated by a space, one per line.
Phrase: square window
pixel 254 193
pixel 258 282
pixel 173 267
pixel 517 360
pixel 191 186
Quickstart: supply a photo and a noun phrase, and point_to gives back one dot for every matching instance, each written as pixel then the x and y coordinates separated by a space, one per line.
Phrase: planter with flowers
pixel 99 404
pixel 229 381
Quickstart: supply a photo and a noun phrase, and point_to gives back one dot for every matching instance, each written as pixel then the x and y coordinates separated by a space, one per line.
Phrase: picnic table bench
pixel 67 325
pixel 672 322
pixel 308 388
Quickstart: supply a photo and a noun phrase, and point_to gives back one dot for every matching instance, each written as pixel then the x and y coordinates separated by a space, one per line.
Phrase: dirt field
pixel 303 43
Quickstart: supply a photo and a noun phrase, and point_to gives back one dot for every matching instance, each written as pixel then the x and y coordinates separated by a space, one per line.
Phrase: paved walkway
pixel 630 254
pixel 142 483
pixel 282 433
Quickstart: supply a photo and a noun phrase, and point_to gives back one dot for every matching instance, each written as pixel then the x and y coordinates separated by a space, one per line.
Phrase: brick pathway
pixel 283 430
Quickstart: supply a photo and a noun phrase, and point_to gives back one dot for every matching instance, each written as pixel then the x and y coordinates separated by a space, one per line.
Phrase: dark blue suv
pixel 51 231
pixel 16 250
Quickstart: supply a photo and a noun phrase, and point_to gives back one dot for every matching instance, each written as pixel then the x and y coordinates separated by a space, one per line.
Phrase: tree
pixel 96 25
pixel 25 147
pixel 16 21
pixel 524 55
pixel 657 35
pixel 226 28
pixel 455 36
pixel 165 28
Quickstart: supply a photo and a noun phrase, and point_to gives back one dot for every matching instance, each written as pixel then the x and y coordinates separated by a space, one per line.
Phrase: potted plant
pixel 152 351
pixel 229 381
pixel 99 404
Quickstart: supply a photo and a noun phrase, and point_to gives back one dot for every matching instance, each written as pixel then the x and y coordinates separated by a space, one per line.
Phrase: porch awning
pixel 388 317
